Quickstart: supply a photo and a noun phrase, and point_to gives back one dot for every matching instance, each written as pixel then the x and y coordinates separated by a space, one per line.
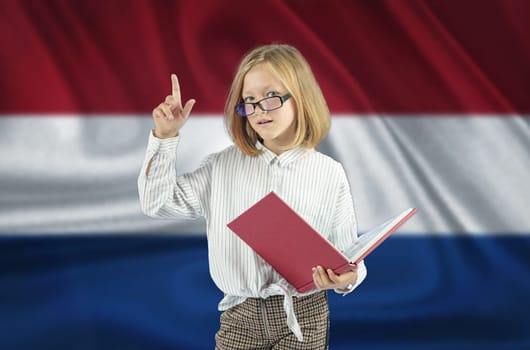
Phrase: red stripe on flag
pixel 373 56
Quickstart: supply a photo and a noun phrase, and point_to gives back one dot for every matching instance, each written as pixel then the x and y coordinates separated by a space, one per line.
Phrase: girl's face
pixel 277 127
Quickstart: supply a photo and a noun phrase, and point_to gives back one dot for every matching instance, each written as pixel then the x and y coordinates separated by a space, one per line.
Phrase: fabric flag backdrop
pixel 430 105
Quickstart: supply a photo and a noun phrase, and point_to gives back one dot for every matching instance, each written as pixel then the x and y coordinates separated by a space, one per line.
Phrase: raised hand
pixel 170 116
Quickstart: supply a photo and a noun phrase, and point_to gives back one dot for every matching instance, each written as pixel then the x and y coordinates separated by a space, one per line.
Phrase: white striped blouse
pixel 228 183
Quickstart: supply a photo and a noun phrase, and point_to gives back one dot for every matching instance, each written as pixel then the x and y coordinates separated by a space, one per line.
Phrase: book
pixel 293 247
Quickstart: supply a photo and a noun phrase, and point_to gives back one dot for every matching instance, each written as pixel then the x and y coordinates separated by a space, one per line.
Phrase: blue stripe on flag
pixel 154 292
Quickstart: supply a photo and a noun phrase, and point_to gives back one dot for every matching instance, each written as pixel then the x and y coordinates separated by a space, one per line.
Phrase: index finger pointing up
pixel 175 88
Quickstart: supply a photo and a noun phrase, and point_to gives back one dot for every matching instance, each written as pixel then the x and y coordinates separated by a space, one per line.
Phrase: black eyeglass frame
pixel 241 106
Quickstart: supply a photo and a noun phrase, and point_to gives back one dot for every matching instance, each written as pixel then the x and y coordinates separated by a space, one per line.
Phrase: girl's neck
pixel 277 149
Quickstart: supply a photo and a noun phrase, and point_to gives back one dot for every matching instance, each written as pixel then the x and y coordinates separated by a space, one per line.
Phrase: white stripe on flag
pixel 74 174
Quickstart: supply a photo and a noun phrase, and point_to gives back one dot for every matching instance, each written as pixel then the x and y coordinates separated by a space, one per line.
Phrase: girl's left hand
pixel 327 279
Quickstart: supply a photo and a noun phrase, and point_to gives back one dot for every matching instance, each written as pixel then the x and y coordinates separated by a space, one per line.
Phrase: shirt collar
pixel 285 158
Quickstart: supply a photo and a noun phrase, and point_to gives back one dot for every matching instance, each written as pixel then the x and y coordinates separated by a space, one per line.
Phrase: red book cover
pixel 291 246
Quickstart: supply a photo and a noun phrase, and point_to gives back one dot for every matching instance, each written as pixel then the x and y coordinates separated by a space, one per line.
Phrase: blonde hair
pixel 288 64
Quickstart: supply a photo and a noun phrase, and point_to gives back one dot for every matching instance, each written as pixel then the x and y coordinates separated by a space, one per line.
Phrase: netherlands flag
pixel 430 109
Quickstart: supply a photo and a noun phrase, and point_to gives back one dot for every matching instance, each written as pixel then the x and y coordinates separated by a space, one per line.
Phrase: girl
pixel 276 115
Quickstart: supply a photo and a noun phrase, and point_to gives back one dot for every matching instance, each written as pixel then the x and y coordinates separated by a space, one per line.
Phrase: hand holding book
pixel 327 279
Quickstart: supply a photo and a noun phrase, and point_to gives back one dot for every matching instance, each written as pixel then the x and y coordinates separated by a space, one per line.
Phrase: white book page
pixel 369 238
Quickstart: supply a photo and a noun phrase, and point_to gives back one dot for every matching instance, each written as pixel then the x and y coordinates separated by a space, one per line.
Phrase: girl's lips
pixel 263 121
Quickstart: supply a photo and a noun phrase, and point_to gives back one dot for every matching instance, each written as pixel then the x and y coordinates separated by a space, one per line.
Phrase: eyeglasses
pixel 267 104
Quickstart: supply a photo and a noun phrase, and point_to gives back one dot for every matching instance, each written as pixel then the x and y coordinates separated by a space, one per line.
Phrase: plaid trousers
pixel 262 324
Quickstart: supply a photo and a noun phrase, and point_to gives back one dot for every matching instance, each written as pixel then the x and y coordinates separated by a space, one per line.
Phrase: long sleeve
pixel 344 231
pixel 162 193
